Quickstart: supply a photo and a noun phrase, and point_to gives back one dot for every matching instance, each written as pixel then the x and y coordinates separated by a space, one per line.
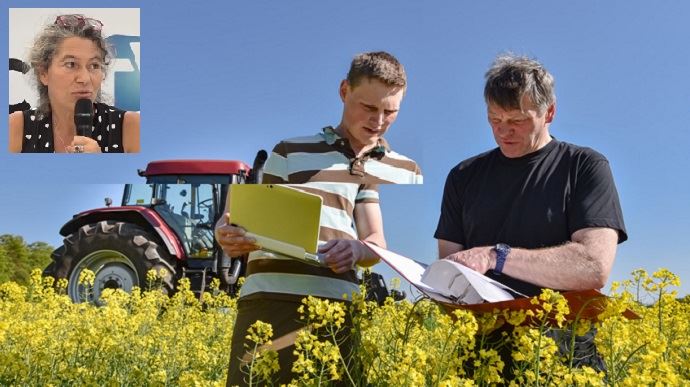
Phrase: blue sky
pixel 227 78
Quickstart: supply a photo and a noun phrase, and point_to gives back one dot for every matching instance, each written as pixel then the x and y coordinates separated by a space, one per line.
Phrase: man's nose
pixel 377 118
pixel 504 129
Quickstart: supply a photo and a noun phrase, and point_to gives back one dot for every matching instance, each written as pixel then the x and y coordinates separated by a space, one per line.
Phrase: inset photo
pixel 74 80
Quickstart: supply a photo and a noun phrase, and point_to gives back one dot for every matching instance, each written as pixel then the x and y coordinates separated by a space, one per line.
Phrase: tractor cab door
pixel 190 210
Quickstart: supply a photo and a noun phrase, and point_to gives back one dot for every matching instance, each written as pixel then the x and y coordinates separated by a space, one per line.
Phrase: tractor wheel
pixel 118 253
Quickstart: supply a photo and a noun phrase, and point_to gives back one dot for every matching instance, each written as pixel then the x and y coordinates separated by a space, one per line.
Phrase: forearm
pixel 567 267
pixel 370 229
pixel 368 257
pixel 583 263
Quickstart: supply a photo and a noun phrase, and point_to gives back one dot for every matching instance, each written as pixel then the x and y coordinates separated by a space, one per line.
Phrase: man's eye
pixel 70 64
pixel 95 66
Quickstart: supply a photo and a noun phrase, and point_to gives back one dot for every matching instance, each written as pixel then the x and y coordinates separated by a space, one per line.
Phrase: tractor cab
pixel 165 223
pixel 190 210
pixel 190 197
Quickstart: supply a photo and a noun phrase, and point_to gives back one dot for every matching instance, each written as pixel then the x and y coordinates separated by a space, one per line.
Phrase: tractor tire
pixel 118 253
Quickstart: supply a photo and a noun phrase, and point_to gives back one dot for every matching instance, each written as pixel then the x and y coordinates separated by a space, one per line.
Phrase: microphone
pixel 83 116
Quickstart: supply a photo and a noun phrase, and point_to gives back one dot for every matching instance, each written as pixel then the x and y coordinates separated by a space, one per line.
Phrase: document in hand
pixel 445 280
pixel 457 286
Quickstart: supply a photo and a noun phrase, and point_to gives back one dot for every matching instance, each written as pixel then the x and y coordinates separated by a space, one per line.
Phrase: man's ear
pixel 550 112
pixel 344 89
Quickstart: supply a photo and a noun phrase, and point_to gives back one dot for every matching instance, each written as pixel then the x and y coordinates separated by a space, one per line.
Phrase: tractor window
pixel 137 195
pixel 189 209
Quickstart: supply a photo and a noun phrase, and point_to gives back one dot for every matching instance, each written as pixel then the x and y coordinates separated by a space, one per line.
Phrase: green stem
pixel 572 338
pixel 404 338
pixel 251 365
pixel 661 321
pixel 441 369
pixel 342 360
pixel 538 361
pixel 628 359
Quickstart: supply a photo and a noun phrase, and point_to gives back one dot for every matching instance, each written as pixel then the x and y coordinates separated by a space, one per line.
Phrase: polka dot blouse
pixel 106 130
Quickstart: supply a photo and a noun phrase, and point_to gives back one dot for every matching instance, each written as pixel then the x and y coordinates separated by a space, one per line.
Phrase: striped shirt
pixel 285 277
pixel 328 157
pixel 321 165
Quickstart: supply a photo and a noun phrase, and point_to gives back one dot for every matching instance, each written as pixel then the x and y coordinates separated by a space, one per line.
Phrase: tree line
pixel 18 258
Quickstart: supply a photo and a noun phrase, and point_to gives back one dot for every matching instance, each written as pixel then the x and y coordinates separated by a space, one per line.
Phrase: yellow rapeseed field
pixel 150 339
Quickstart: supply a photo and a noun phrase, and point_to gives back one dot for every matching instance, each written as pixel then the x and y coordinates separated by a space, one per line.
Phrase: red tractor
pixel 167 223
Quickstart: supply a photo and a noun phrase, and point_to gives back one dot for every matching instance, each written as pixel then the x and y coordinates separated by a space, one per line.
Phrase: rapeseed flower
pixel 149 338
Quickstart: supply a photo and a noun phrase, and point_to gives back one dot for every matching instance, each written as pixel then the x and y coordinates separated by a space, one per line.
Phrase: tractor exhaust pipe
pixel 230 270
pixel 257 172
pixel 235 271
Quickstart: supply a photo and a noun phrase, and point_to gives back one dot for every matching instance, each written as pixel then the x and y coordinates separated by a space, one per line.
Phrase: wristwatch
pixel 502 250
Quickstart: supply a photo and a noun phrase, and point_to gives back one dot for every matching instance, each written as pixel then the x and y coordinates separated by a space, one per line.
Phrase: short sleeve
pixel 450 227
pixel 594 201
pixel 276 167
pixel 368 193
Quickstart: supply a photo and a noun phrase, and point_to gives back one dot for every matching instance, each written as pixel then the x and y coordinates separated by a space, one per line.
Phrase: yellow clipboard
pixel 281 219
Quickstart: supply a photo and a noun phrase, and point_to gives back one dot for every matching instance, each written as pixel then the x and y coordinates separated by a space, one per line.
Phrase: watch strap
pixel 502 250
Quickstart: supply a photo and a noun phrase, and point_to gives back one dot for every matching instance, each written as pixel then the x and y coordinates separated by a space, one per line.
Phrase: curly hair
pixel 46 45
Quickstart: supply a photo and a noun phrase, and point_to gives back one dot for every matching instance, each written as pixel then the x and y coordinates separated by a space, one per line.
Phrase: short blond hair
pixel 377 65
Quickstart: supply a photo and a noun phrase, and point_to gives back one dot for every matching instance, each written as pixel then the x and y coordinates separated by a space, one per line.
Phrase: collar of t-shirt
pixel 342 145
pixel 530 157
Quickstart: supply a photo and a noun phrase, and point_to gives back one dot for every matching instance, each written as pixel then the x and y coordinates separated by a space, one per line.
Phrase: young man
pixel 355 150
pixel 343 165
pixel 535 212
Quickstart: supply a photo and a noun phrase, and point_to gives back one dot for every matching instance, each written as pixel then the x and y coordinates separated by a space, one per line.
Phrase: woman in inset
pixel 69 59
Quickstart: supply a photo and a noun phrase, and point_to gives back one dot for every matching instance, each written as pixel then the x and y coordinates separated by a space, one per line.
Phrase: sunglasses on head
pixel 78 21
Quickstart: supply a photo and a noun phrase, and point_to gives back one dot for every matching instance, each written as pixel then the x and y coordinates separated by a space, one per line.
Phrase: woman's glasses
pixel 78 21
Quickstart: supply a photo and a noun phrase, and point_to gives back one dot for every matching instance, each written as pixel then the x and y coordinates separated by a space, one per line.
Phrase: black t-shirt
pixel 533 201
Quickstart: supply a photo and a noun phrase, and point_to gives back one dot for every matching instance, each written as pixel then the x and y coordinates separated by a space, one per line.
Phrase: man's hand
pixel 479 259
pixel 341 255
pixel 583 263
pixel 232 238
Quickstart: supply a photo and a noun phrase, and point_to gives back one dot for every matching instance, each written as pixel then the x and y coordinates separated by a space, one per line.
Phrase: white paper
pixel 488 289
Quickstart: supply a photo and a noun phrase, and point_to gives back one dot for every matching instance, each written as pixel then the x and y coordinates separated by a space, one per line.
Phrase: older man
pixel 535 212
